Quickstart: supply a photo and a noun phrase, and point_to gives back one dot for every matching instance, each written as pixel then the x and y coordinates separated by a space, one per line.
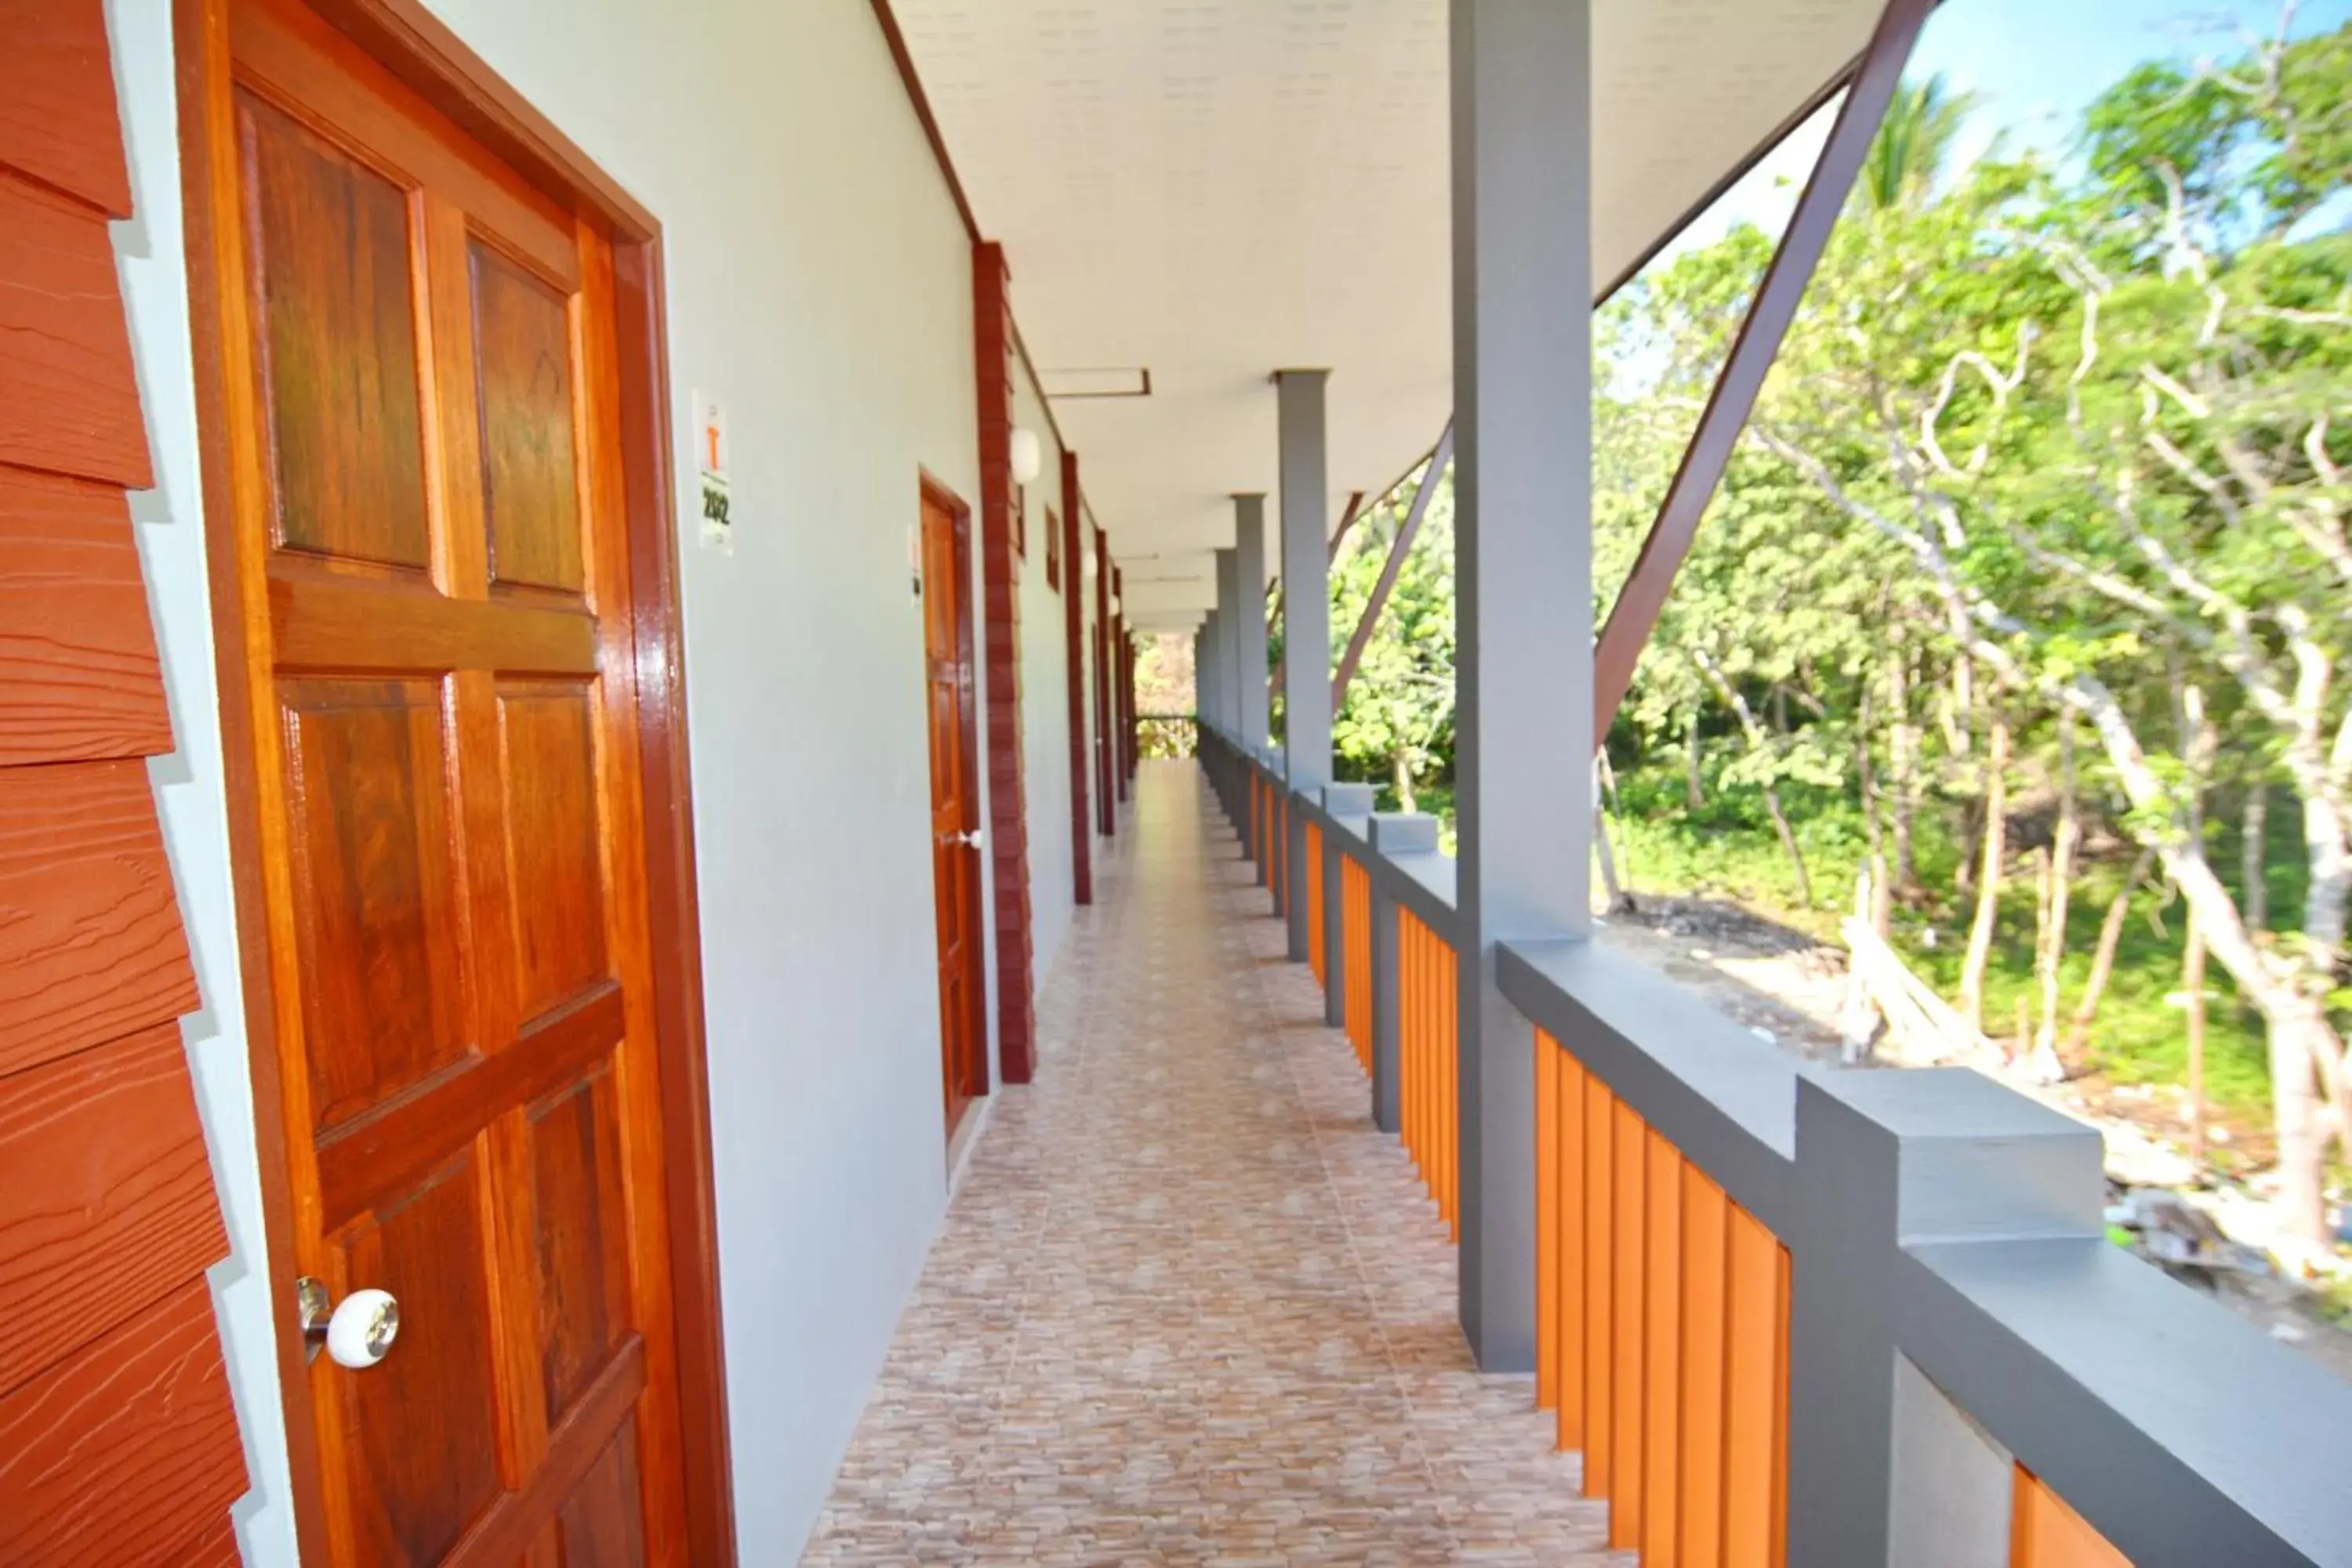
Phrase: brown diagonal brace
pixel 1362 635
pixel 1635 614
pixel 1348 519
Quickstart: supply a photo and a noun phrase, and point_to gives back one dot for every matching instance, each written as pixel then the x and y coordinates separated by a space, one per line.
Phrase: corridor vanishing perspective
pixel 1189 1306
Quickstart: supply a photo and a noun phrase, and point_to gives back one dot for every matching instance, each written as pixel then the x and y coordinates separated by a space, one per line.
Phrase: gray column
pixel 1883 1159
pixel 1227 621
pixel 1391 833
pixel 1233 598
pixel 1521 98
pixel 1204 701
pixel 1249 607
pixel 1204 673
pixel 1306 612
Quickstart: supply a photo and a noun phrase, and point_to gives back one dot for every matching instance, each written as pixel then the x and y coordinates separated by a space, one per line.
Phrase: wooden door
pixel 431 571
pixel 950 694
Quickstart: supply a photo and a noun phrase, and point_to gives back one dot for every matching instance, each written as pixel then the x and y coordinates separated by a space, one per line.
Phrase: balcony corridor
pixel 1188 1305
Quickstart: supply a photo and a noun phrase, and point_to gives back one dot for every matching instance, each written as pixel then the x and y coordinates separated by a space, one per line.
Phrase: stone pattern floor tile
pixel 1188 1306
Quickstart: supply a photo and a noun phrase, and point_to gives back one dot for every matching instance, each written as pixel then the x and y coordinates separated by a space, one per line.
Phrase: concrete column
pixel 1233 599
pixel 1306 612
pixel 1228 634
pixel 1205 672
pixel 1206 697
pixel 1249 610
pixel 1522 134
pixel 1391 833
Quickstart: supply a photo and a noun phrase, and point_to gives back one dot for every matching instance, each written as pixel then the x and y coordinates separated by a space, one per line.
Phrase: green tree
pixel 1397 719
pixel 2108 430
pixel 1912 144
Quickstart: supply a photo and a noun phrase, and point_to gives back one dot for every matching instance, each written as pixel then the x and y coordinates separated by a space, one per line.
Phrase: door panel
pixel 438 1381
pixel 432 558
pixel 339 345
pixel 522 363
pixel 599 1527
pixel 955 805
pixel 547 744
pixel 583 1277
pixel 375 893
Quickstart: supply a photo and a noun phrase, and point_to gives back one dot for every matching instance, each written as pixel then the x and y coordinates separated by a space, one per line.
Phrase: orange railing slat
pixel 1705 1239
pixel 1569 1215
pixel 1600 1315
pixel 1661 1351
pixel 1753 1424
pixel 1450 1079
pixel 1315 903
pixel 1629 1140
pixel 2045 1533
pixel 1548 1153
pixel 1662 1324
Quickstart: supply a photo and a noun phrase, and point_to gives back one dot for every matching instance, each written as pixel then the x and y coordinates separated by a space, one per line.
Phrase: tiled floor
pixel 1188 1307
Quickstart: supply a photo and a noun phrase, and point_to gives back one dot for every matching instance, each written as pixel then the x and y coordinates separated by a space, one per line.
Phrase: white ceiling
pixel 1213 189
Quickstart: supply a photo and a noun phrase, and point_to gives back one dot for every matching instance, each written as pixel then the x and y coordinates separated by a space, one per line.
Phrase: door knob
pixel 360 1330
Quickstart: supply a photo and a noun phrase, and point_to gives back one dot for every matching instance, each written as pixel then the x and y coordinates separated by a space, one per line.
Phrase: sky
pixel 2034 65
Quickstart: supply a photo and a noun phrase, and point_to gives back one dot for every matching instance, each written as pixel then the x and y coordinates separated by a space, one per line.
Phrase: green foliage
pixel 1399 708
pixel 2044 436
pixel 2262 142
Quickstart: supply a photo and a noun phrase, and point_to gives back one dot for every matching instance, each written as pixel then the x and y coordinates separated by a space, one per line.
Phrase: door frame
pixel 421 50
pixel 935 491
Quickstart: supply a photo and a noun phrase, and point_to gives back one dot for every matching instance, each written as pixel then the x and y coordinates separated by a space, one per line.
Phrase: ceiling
pixel 1213 189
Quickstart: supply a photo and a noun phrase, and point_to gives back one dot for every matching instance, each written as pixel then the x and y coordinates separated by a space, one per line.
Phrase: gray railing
pixel 1898 1333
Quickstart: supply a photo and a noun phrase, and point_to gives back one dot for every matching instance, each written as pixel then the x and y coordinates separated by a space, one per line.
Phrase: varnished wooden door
pixel 433 586
pixel 950 697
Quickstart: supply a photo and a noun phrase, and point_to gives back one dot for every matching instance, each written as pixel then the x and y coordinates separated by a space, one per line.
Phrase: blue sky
pixel 2034 65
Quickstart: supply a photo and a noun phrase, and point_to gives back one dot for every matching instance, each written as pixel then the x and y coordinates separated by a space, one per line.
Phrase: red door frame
pixel 973 1066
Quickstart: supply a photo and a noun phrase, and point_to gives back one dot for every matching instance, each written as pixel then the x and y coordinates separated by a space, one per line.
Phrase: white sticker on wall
pixel 710 461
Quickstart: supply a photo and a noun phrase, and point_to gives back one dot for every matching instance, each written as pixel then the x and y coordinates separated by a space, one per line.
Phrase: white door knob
pixel 361 1328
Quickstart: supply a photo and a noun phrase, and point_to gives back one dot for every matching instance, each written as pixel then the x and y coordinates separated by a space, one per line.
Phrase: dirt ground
pixel 1790 986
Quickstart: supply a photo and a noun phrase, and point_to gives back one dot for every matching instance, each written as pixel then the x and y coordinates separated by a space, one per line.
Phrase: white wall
pixel 820 285
pixel 189 790
pixel 1044 698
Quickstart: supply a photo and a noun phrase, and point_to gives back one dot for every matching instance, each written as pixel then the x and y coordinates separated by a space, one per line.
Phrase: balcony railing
pixel 1764 1288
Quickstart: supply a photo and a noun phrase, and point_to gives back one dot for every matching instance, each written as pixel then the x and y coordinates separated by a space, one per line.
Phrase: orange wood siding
pixel 78 671
pixel 2046 1533
pixel 1662 1314
pixel 114 1403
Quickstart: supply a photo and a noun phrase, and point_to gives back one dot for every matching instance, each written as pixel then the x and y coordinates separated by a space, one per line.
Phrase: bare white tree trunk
pixel 2255 895
pixel 2058 881
pixel 2103 958
pixel 1694 779
pixel 1996 836
pixel 1882 909
pixel 2192 985
pixel 1902 750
